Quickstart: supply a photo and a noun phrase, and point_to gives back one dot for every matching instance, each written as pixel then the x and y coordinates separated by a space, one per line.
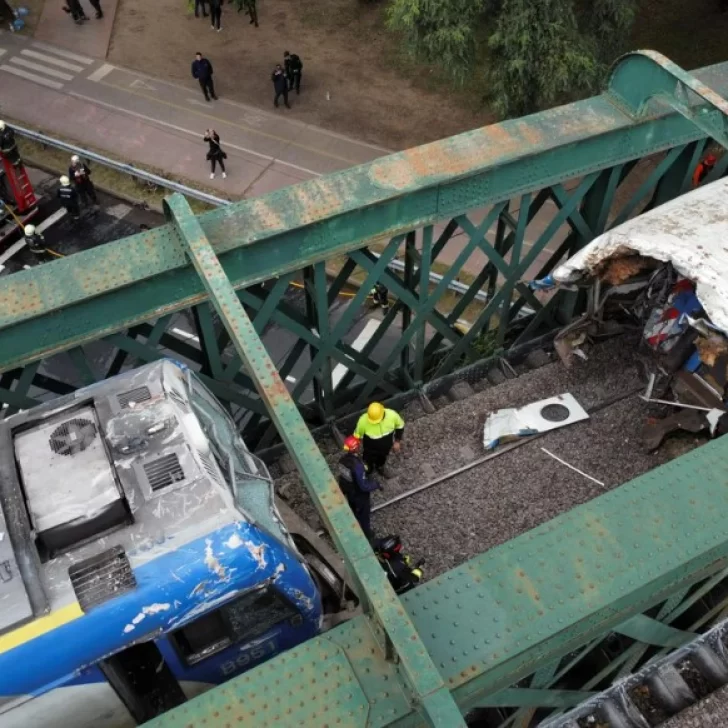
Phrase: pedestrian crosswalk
pixel 44 64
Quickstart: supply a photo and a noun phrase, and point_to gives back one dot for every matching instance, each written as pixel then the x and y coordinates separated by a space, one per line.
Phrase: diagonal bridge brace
pixel 641 76
pixel 401 640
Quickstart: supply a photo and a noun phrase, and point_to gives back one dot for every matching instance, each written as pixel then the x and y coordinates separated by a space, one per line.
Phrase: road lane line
pixel 37 67
pixel 340 370
pixel 32 77
pixel 62 53
pixel 101 72
pixel 53 61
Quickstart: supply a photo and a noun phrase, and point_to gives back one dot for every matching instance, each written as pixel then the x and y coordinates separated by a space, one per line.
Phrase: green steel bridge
pixel 501 630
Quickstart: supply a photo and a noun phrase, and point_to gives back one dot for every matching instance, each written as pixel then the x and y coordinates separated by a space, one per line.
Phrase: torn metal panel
pixel 689 232
pixel 542 416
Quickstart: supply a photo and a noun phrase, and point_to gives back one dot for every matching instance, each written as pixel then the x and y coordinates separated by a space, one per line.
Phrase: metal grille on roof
pixel 133 396
pixel 164 471
pixel 102 577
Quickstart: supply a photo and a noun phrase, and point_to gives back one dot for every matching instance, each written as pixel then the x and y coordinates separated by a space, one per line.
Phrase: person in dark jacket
pixel 80 174
pixel 280 84
pixel 69 198
pixel 294 69
pixel 215 155
pixel 200 5
pixel 202 71
pixel 73 7
pixel 356 484
pixel 8 145
pixel 215 14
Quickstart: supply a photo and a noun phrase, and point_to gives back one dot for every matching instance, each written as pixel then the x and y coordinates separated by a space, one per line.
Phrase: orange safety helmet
pixel 351 444
pixel 375 412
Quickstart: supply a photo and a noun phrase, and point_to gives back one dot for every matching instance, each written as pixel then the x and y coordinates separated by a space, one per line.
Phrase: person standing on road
pixel 251 9
pixel 216 14
pixel 280 84
pixel 294 69
pixel 356 485
pixel 35 242
pixel 202 71
pixel 69 198
pixel 215 155
pixel 81 176
pixel 380 431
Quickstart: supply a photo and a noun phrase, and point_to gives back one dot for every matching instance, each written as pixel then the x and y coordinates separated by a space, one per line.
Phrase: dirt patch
pixel 354 80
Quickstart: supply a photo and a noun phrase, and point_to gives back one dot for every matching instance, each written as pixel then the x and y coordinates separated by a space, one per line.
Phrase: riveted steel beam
pixel 425 684
pixel 643 76
pixel 63 304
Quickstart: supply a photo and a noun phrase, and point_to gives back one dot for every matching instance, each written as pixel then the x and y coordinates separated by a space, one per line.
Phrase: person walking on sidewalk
pixel 216 14
pixel 81 176
pixel 202 71
pixel 215 155
pixel 96 5
pixel 73 7
pixel 280 84
pixel 294 68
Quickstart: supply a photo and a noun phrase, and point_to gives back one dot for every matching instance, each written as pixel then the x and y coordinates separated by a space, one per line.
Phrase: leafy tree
pixel 538 56
pixel 441 31
pixel 535 52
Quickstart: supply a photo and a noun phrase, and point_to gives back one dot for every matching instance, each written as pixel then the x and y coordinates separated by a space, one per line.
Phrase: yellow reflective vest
pixel 389 429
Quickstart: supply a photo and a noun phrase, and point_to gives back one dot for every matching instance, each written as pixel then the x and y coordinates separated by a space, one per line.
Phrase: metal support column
pixel 398 634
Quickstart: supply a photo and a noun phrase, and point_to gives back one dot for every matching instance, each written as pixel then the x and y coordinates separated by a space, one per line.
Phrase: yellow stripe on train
pixel 40 626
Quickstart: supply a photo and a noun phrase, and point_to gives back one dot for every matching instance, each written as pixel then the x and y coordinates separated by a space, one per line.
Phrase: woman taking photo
pixel 215 154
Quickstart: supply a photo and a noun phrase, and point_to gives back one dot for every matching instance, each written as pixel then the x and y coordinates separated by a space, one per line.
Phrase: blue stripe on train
pixel 180 585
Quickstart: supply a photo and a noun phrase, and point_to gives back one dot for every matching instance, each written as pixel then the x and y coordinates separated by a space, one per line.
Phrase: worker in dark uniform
pixel 294 69
pixel 8 145
pixel 35 242
pixel 202 71
pixel 81 176
pixel 380 431
pixel 280 84
pixel 356 484
pixel 704 168
pixel 380 296
pixel 403 575
pixel 68 196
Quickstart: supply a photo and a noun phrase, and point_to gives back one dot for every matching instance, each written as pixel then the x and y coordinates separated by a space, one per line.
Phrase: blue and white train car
pixel 142 557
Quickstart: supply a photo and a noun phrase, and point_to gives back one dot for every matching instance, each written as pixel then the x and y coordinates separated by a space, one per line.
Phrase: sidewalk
pixel 149 121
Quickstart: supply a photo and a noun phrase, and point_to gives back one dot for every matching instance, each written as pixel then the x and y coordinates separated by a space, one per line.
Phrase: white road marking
pixel 51 220
pixel 53 61
pixel 138 83
pixel 186 335
pixel 195 134
pixel 37 67
pixel 63 54
pixel 31 77
pixel 101 72
pixel 358 344
pixel 291 379
pixel 2 52
pixel 12 250
pixel 197 102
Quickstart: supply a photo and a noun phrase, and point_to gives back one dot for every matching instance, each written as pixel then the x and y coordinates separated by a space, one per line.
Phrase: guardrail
pixel 124 167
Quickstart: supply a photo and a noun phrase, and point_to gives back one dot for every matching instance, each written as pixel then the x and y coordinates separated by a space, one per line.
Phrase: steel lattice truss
pixel 230 271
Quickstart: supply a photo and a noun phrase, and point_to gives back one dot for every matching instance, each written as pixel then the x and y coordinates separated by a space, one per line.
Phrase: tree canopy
pixel 534 52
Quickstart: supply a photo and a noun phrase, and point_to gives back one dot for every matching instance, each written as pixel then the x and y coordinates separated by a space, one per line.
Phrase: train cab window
pixel 242 620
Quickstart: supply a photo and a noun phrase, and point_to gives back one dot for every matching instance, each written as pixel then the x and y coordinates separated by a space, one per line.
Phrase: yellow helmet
pixel 375 412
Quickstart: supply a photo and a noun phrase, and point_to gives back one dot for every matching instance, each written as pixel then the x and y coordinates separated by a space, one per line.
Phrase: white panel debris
pixel 542 416
pixel 689 232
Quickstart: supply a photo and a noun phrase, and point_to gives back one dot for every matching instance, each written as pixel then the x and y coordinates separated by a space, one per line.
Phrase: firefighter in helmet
pixel 356 484
pixel 35 241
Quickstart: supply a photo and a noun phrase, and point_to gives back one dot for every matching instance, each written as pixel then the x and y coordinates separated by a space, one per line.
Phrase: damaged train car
pixel 143 557
pixel 665 274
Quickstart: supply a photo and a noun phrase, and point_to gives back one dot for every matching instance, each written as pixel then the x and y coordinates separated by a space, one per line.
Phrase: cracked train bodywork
pixel 135 519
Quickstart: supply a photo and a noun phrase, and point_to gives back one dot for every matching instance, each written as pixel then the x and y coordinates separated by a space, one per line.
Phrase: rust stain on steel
pixel 23 298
